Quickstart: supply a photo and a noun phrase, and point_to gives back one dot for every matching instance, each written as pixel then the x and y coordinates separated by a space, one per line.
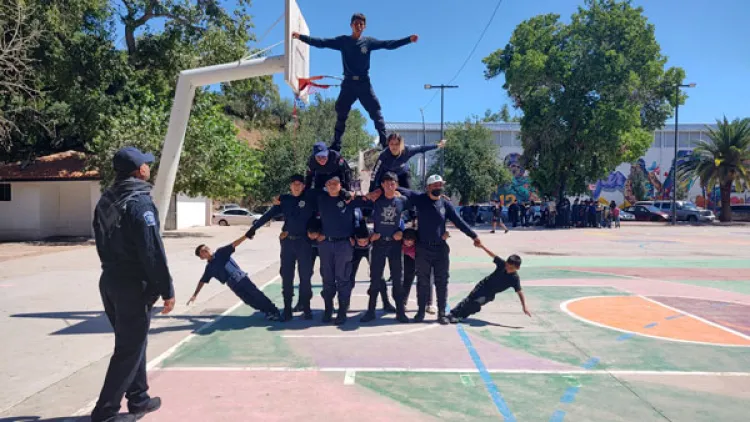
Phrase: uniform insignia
pixel 301 204
pixel 149 217
pixel 389 214
pixel 442 211
pixel 364 49
pixel 340 204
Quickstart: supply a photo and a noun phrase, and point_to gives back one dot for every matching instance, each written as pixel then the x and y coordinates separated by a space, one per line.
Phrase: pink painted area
pixel 437 347
pixel 647 287
pixel 730 315
pixel 716 274
pixel 270 396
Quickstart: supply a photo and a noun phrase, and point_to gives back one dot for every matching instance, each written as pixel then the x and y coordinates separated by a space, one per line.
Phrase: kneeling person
pixel 222 267
pixel 504 277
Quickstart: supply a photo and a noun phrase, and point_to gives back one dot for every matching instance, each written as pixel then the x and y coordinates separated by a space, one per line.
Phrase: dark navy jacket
pixel 297 211
pixel 432 216
pixel 397 164
pixel 355 54
pixel 318 175
pixel 337 216
pixel 126 228
pixel 222 267
pixel 386 215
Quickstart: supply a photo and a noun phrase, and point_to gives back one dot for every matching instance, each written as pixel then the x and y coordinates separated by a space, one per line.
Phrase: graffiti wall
pixel 520 188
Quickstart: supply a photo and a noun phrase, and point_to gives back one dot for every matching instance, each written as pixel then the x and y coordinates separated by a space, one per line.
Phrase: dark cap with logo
pixel 129 159
pixel 320 149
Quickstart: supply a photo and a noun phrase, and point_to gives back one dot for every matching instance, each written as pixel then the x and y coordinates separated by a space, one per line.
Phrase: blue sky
pixel 710 40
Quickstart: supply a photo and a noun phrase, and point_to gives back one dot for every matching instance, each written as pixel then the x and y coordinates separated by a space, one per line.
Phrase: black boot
pixel 287 315
pixel 387 307
pixel 306 312
pixel 370 314
pixel 419 317
pixel 401 314
pixel 328 313
pixel 343 307
pixel 442 319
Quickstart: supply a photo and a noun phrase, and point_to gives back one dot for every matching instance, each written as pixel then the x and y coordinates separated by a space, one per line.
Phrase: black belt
pixel 293 237
pixel 387 239
pixel 436 243
pixel 336 239
pixel 356 78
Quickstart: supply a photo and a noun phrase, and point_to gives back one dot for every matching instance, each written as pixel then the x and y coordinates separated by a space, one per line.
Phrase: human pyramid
pixel 322 217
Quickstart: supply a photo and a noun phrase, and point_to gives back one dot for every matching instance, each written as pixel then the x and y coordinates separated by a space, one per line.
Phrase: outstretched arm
pixel 265 218
pixel 239 241
pixel 421 149
pixel 450 213
pixel 332 43
pixel 195 294
pixel 523 302
pixel 489 252
pixel 392 44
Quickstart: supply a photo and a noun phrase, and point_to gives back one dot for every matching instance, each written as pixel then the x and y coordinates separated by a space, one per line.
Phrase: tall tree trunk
pixel 726 201
pixel 130 38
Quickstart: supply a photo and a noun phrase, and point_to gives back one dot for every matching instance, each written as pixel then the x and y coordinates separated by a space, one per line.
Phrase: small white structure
pixel 54 196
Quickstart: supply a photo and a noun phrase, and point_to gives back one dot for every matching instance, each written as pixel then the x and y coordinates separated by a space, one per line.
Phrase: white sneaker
pixel 432 309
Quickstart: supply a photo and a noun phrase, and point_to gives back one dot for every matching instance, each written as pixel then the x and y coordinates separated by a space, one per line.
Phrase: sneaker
pixel 368 316
pixel 153 405
pixel 432 309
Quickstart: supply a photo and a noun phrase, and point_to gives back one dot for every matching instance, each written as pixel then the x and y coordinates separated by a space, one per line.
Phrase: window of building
pixel 657 139
pixel 4 192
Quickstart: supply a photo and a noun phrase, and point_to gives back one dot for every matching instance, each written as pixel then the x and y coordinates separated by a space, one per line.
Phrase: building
pixel 55 196
pixel 655 165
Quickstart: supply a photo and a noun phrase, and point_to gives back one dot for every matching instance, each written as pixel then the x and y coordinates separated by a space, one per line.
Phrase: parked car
pixel 626 216
pixel 686 211
pixel 646 213
pixel 740 212
pixel 234 217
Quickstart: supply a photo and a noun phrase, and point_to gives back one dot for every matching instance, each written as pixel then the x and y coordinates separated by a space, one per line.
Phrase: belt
pixel 387 239
pixel 436 243
pixel 356 78
pixel 336 239
pixel 293 237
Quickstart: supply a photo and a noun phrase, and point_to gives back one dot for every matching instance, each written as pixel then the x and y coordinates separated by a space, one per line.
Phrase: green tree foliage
pixel 639 186
pixel 212 163
pixel 502 116
pixel 472 168
pixel 591 91
pixel 287 152
pixel 723 161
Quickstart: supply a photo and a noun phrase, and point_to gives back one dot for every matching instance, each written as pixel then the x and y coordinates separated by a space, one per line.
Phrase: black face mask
pixel 436 192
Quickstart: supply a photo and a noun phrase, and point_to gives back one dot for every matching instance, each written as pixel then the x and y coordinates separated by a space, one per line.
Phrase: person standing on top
pixel 355 54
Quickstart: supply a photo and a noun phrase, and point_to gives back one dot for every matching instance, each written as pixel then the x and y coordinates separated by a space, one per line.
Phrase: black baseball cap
pixel 297 178
pixel 129 159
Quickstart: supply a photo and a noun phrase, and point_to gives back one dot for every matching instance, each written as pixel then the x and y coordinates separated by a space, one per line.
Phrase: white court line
pixel 167 353
pixel 445 370
pixel 564 308
pixel 703 320
pixel 346 335
pixel 349 377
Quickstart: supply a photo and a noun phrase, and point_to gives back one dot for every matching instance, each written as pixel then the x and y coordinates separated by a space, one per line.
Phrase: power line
pixel 481 36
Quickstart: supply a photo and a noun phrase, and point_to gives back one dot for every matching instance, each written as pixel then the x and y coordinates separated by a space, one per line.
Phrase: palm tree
pixel 725 161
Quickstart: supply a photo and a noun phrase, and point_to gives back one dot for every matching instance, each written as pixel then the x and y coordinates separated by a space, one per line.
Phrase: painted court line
pixel 349 377
pixel 354 336
pixel 570 393
pixel 703 320
pixel 167 353
pixel 443 370
pixel 497 398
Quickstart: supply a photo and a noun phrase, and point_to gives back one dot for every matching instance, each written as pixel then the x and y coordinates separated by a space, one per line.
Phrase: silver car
pixel 234 217
pixel 686 211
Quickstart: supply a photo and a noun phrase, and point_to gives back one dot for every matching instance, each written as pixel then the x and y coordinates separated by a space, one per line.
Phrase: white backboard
pixel 296 52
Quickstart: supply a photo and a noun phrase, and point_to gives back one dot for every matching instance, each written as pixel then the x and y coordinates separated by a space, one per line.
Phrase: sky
pixel 710 40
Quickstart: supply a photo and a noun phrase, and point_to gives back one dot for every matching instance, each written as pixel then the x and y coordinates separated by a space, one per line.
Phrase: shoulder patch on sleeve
pixel 149 217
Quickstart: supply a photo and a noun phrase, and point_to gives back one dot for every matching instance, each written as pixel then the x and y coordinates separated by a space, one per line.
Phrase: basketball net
pixel 308 86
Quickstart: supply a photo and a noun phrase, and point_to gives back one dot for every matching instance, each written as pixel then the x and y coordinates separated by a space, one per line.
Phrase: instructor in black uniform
pixel 134 276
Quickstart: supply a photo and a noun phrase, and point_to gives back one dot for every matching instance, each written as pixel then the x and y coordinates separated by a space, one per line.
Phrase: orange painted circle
pixel 636 314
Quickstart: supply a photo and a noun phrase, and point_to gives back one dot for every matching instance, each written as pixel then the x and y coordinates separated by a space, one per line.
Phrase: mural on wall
pixel 615 182
pixel 520 187
pixel 683 156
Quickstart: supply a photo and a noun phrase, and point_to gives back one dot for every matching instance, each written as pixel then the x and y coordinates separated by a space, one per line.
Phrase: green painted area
pixel 473 275
pixel 535 397
pixel 555 335
pixel 242 338
pixel 618 261
pixel 729 286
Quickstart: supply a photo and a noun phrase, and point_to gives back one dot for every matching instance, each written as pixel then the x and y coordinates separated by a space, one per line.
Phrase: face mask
pixel 436 192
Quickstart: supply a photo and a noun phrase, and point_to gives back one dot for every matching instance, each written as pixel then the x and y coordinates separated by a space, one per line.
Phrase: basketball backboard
pixel 296 52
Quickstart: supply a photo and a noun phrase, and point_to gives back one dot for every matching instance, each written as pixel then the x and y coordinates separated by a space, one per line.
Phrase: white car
pixel 234 217
pixel 626 216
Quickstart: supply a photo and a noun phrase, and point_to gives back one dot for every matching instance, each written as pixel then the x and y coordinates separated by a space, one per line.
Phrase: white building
pixel 55 196
pixel 655 164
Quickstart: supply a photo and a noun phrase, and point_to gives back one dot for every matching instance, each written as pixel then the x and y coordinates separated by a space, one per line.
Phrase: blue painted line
pixel 492 389
pixel 558 416
pixel 625 336
pixel 652 325
pixel 675 316
pixel 590 363
pixel 570 395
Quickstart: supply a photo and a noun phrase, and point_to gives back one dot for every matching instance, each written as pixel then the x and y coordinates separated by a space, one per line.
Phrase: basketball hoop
pixel 307 86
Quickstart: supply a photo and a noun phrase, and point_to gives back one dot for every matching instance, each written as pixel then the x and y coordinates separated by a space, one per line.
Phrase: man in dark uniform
pixel 355 55
pixel 134 276
pixel 325 164
pixel 362 250
pixel 386 240
pixel 432 253
pixel 337 218
pixel 298 208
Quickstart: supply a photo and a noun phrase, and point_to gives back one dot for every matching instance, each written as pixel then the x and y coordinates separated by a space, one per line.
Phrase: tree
pixel 592 92
pixel 502 116
pixel 471 166
pixel 638 184
pixel 213 163
pixel 724 160
pixel 287 152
